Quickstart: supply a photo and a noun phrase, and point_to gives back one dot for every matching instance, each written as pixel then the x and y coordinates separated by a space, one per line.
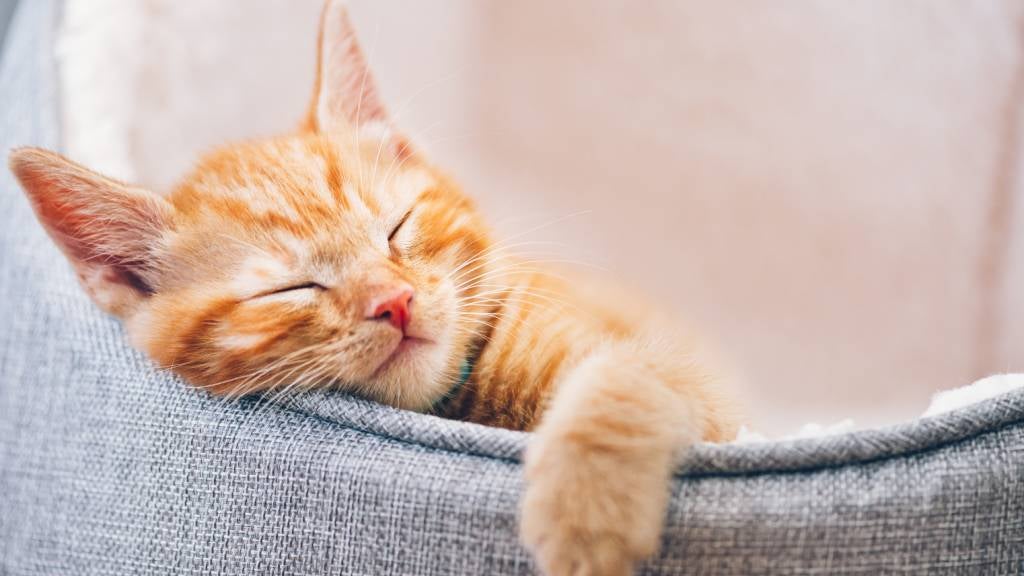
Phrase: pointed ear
pixel 345 94
pixel 111 232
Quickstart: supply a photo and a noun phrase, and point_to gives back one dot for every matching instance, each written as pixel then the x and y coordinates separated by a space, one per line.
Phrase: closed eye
pixel 293 288
pixel 399 225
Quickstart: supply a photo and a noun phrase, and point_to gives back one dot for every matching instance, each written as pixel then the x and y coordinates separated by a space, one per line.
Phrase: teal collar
pixel 465 371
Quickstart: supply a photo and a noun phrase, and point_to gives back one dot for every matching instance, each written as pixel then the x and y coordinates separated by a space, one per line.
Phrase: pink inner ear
pixel 106 229
pixel 92 224
pixel 345 90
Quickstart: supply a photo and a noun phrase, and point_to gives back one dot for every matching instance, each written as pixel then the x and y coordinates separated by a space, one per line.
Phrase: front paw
pixel 589 510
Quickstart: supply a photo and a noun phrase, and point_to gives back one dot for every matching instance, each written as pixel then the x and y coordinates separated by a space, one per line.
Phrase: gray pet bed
pixel 110 467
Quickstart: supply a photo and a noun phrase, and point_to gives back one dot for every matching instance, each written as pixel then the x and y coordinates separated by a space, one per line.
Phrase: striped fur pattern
pixel 265 270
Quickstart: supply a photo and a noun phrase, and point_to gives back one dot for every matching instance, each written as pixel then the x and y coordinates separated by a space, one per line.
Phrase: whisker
pixel 494 255
pixel 310 372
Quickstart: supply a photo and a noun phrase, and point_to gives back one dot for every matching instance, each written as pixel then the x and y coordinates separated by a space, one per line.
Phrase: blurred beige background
pixel 831 191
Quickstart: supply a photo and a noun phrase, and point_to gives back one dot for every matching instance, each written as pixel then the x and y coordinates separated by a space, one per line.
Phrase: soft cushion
pixel 109 466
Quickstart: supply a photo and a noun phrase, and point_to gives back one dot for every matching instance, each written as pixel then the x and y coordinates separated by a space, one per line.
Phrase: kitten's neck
pixel 443 407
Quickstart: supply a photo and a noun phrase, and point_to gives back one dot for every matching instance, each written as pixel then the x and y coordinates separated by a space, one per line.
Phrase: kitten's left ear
pixel 111 232
pixel 345 94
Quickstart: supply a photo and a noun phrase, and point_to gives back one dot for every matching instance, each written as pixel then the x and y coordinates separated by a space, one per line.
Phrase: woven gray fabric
pixel 108 466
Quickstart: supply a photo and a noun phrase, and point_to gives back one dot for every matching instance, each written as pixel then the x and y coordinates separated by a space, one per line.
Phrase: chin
pixel 417 377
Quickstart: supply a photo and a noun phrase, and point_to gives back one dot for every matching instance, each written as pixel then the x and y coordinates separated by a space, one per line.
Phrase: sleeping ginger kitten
pixel 339 256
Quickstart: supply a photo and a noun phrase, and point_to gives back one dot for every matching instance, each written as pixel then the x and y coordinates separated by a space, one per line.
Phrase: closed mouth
pixel 405 346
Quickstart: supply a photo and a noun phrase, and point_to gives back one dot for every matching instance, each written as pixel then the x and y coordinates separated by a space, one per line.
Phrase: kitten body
pixel 339 256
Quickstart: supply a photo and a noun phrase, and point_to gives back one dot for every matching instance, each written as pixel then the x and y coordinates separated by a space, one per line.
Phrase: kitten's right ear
pixel 111 232
pixel 345 94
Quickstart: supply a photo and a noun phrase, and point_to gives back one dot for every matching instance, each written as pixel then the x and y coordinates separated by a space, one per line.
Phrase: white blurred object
pixel 810 430
pixel 983 389
pixel 148 85
pixel 942 402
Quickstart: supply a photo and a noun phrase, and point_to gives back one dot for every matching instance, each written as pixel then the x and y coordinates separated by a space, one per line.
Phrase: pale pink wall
pixel 830 189
pixel 814 182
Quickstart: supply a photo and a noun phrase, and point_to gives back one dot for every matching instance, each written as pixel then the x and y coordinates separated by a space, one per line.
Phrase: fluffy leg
pixel 599 466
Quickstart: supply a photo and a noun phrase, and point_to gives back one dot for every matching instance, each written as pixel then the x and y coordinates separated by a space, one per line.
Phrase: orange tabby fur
pixel 263 269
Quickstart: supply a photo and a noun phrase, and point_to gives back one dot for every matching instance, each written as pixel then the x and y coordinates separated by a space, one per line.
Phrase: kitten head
pixel 333 256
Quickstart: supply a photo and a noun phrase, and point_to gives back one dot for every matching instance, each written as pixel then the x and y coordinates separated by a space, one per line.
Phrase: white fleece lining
pixel 942 402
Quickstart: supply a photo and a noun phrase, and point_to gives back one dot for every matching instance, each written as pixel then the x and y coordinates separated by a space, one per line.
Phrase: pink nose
pixel 392 305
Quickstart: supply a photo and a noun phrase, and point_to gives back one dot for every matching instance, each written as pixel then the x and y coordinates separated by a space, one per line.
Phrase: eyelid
pixel 303 286
pixel 399 225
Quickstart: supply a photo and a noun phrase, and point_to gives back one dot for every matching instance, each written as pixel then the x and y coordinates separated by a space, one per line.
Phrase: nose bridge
pixel 375 274
pixel 381 273
pixel 365 283
pixel 354 264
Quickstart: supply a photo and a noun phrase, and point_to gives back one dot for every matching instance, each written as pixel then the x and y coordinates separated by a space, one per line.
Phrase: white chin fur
pixel 417 380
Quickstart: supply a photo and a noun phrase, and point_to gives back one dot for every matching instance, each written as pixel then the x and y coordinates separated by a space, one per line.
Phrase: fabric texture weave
pixel 108 466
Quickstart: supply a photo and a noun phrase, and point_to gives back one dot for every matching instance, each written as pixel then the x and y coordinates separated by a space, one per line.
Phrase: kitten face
pixel 333 256
pixel 281 257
